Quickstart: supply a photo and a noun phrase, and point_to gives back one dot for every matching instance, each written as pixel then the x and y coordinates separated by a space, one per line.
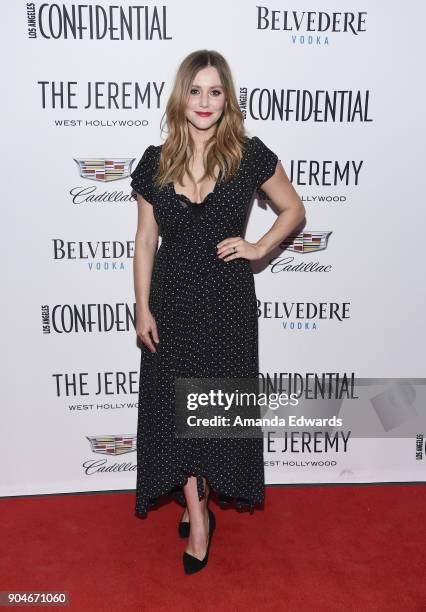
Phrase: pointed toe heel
pixel 192 564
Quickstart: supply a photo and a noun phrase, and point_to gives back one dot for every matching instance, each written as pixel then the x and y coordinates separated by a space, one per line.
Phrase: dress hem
pixel 226 498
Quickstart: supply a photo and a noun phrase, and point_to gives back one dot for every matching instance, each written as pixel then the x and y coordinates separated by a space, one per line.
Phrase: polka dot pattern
pixel 206 314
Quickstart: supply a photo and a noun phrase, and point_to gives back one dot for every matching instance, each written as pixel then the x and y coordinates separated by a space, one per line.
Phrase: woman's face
pixel 206 99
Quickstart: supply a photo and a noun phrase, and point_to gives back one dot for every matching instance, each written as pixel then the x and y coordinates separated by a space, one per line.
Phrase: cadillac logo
pixel 307 242
pixel 104 169
pixel 113 445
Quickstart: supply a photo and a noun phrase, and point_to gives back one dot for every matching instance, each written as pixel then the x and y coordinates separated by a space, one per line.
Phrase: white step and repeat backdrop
pixel 337 90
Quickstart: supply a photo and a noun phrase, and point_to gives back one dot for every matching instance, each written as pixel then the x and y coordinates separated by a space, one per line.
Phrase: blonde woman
pixel 196 310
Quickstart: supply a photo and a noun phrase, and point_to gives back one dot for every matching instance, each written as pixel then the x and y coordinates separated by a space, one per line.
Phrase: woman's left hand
pixel 236 247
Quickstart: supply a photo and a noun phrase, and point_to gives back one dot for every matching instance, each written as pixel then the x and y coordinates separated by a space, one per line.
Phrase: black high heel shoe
pixel 192 564
pixel 184 528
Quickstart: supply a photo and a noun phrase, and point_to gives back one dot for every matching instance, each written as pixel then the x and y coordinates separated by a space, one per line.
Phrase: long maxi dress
pixel 206 313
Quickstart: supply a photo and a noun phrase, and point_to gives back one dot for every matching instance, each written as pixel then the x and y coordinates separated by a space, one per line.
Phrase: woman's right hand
pixel 146 329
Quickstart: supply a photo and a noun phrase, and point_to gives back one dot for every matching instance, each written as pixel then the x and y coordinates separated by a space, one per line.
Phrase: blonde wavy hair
pixel 225 147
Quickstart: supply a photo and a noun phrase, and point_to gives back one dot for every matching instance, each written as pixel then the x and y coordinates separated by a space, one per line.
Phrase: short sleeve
pixel 142 175
pixel 264 162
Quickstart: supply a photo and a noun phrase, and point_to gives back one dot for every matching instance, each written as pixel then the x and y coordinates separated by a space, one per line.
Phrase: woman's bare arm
pixel 291 209
pixel 291 214
pixel 146 241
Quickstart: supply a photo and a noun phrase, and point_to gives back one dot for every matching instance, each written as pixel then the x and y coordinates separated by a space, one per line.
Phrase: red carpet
pixel 322 548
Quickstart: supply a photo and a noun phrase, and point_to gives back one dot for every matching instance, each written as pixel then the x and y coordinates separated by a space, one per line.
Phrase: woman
pixel 195 297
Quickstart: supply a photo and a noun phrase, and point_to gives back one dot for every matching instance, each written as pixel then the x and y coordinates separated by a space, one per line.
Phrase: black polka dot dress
pixel 206 313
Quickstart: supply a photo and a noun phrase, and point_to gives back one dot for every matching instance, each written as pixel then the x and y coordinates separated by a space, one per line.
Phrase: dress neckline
pixel 185 197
